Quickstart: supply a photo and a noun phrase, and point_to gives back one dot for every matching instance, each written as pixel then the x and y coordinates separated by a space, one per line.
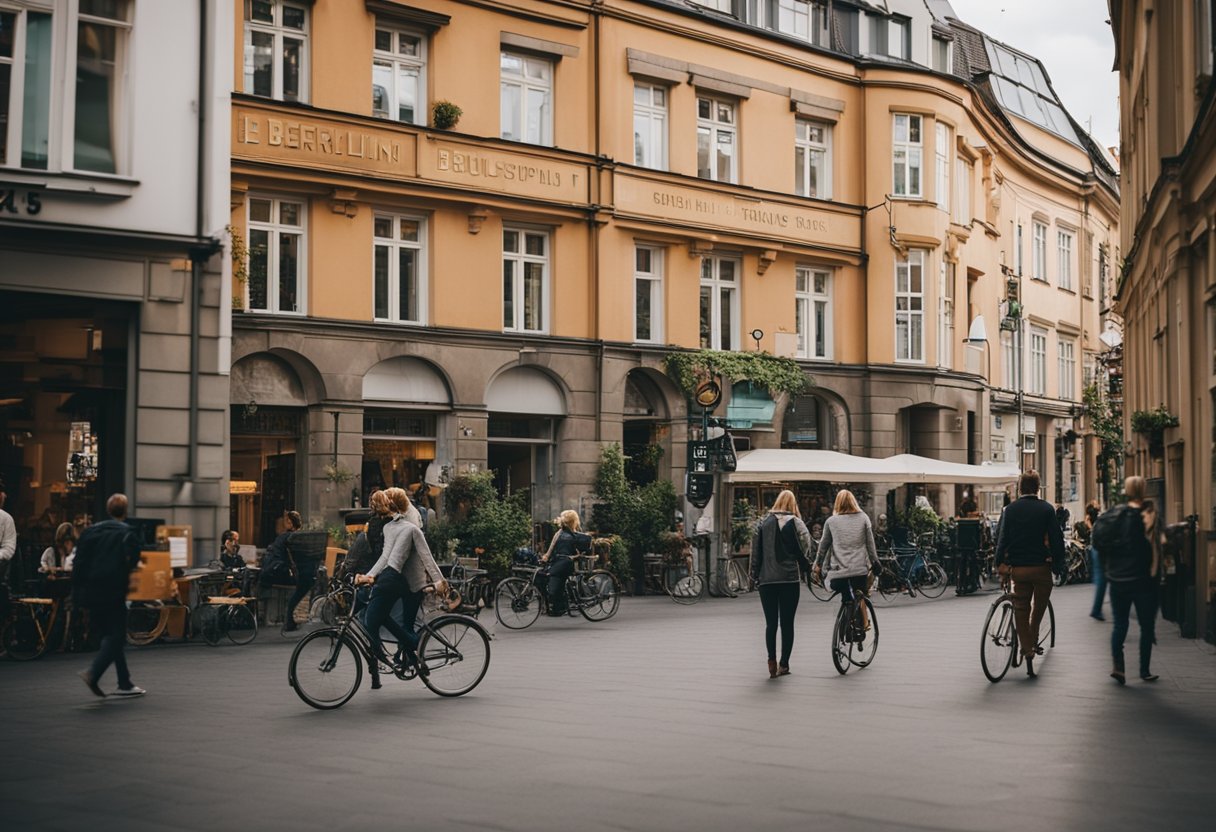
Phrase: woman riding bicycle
pixel 847 550
pixel 566 543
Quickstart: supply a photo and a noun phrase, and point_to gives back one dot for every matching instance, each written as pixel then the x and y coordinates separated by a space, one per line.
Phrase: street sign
pixel 701 455
pixel 699 488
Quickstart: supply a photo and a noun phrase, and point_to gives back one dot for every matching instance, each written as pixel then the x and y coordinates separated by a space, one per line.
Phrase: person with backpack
pixel 848 552
pixel 1029 547
pixel 778 562
pixel 1126 553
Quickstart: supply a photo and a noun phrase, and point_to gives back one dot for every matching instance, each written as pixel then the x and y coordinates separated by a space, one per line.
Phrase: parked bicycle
pixel 223 615
pixel 595 593
pixel 855 633
pixel 1077 572
pixel 683 583
pixel 733 579
pixel 999 640
pixel 326 666
pixel 911 571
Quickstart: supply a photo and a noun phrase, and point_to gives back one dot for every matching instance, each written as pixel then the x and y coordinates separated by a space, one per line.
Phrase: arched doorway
pixel 646 431
pixel 267 412
pixel 815 421
pixel 524 406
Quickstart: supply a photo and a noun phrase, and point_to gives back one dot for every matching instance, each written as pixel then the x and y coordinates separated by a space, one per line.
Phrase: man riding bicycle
pixel 1029 548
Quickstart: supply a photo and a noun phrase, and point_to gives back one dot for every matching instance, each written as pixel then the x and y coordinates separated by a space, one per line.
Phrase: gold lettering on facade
pixel 769 216
pixel 308 137
pixel 248 131
pixel 482 167
pixel 274 132
pixel 316 139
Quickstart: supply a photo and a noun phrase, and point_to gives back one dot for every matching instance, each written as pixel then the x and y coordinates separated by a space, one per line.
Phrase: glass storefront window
pixel 397 448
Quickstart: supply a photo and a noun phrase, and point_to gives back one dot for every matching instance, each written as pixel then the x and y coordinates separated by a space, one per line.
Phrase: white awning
pixel 789 465
pixel 525 390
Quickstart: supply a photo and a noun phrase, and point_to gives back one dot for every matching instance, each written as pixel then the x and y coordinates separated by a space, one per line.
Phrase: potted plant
pixel 445 115
pixel 1152 424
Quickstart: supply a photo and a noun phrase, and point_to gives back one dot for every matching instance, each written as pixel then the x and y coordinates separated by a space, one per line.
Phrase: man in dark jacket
pixel 1029 548
pixel 106 554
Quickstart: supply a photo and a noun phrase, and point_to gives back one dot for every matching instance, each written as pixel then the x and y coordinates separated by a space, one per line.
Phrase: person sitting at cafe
pixel 276 562
pixel 230 550
pixel 59 556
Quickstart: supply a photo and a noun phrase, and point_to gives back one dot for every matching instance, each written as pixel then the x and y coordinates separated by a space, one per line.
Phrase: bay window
pixel 907 155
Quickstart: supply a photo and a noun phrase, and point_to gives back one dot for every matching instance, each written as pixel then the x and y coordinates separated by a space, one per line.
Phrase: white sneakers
pixel 134 690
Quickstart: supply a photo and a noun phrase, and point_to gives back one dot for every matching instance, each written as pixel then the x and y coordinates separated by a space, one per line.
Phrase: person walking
pixel 1121 536
pixel 106 554
pixel 847 551
pixel 779 549
pixel 567 542
pixel 1084 531
pixel 1029 547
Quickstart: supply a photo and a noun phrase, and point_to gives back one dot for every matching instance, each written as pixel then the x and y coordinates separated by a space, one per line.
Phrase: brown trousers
pixel 1031 589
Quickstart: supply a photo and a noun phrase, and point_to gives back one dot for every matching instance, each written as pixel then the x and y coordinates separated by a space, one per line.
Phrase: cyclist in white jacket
pixel 847 549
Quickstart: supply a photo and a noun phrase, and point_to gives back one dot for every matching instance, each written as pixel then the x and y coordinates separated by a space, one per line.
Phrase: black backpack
pixel 1112 534
pixel 788 546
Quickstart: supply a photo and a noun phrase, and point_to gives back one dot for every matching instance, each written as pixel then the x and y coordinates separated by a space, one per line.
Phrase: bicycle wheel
pixel 325 669
pixel 456 651
pixel 819 589
pixel 1047 629
pixel 517 603
pixel 145 622
pixel 865 644
pixel 27 635
pixel 932 580
pixel 737 581
pixel 688 589
pixel 323 611
pixel 998 642
pixel 241 624
pixel 206 621
pixel 599 595
pixel 889 586
pixel 840 640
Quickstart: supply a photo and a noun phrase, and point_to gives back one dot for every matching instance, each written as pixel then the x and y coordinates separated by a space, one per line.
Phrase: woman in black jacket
pixel 566 543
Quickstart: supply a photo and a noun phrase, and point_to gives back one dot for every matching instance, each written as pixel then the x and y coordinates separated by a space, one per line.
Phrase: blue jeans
pixel 1095 566
pixel 1124 595
pixel 111 622
pixel 390 587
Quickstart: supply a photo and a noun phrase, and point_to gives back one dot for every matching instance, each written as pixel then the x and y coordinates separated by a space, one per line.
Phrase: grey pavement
pixel 661 719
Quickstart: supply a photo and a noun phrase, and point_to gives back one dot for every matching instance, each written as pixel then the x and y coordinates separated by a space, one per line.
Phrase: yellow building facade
pixel 848 187
pixel 1167 288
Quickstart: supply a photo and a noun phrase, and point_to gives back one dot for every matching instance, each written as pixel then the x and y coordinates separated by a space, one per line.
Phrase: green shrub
pixel 483 524
pixel 638 515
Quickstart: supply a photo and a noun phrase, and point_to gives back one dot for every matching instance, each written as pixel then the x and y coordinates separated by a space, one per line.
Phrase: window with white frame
pixel 720 303
pixel 945 315
pixel 525 280
pixel 276 281
pixel 1067 361
pixel 803 19
pixel 399 75
pixel 717 133
pixel 92 109
pixel 996 447
pixel 1010 359
pixel 650 126
pixel 1064 241
pixel 891 37
pixel 813 312
pixel 648 294
pixel 962 185
pixel 527 98
pixel 1038 251
pixel 723 6
pixel 910 307
pixel 907 154
pixel 276 49
pixel 812 158
pixel 1038 361
pixel 941 169
pixel 942 55
pixel 398 270
pixel 1019 257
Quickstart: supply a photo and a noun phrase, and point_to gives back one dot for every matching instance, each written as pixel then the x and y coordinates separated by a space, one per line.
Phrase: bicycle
pixel 855 633
pixel 999 639
pixel 226 615
pixel 518 603
pixel 733 579
pixel 326 666
pixel 919 574
pixel 682 583
pixel 819 587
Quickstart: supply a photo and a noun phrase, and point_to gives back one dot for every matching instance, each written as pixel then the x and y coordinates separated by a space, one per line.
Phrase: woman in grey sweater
pixel 779 550
pixel 847 549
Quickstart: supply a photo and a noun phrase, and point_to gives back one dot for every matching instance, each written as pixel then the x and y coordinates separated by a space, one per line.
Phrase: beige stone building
pixel 859 182
pixel 1167 284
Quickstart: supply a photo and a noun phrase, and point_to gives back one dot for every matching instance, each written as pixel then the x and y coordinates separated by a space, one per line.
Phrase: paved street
pixel 662 718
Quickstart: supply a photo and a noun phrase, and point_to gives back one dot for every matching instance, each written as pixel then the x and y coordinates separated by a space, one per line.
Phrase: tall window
pixel 892 37
pixel 398 76
pixel 1038 251
pixel 101 65
pixel 945 315
pixel 812 159
pixel 1064 265
pixel 719 303
pixel 962 198
pixel 1019 257
pixel 941 170
pixel 803 19
pixel 1038 361
pixel 907 154
pixel 1011 359
pixel 527 98
pixel 525 280
pixel 1067 354
pixel 276 49
pixel 276 255
pixel 941 56
pixel 397 270
pixel 647 294
pixel 910 307
pixel 650 126
pixel 25 88
pixel 716 135
pixel 813 312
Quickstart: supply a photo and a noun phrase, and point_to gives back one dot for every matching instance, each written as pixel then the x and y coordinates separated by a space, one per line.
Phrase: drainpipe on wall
pixel 596 17
pixel 199 255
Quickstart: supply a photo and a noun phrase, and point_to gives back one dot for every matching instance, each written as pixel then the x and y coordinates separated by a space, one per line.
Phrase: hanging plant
pixel 762 369
pixel 1107 425
pixel 445 115
pixel 1153 422
pixel 338 474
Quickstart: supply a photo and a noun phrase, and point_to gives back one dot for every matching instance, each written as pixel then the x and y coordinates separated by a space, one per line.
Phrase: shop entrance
pixel 63 411
pixel 520 455
pixel 264 463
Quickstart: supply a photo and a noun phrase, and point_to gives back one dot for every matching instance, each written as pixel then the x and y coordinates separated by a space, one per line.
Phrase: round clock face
pixel 708 394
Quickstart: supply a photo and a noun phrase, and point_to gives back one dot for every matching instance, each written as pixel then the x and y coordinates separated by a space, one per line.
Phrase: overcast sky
pixel 1072 39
